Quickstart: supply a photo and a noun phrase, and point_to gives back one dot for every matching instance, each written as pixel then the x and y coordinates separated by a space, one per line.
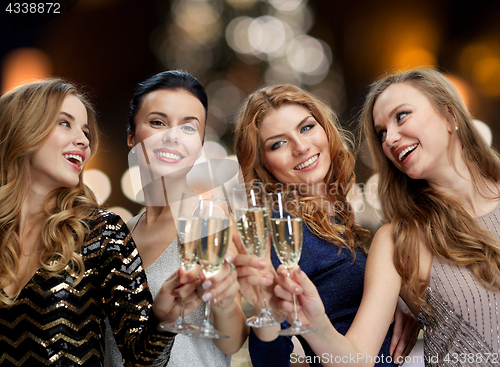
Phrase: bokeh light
pixel 481 61
pixel 286 5
pixel 22 65
pixel 484 130
pixel 131 185
pixel 99 182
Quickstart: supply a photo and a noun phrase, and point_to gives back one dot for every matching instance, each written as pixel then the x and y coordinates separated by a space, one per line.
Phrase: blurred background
pixel 333 48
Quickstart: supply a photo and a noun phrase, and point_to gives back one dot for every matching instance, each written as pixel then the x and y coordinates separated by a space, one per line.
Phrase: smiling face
pixel 414 136
pixel 169 132
pixel 294 146
pixel 60 160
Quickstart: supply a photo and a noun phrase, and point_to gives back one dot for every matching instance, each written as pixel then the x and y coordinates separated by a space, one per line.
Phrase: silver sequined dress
pixel 464 326
pixel 187 351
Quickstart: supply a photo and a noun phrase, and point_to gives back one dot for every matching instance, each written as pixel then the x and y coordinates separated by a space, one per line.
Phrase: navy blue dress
pixel 340 285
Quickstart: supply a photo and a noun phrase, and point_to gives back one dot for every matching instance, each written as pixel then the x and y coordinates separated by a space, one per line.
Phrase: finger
pixel 188 276
pixel 283 294
pixel 246 260
pixel 239 244
pixel 406 343
pixel 186 290
pixel 218 288
pixel 226 297
pixel 256 280
pixel 287 283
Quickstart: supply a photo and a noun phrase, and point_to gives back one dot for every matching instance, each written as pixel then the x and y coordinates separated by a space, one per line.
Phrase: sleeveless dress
pixel 463 328
pixel 187 350
pixel 339 281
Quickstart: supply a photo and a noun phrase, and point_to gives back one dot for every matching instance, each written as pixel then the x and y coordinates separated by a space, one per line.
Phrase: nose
pixel 392 137
pixel 300 146
pixel 81 140
pixel 171 135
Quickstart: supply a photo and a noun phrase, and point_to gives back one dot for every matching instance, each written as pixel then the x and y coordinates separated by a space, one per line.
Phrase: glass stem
pixel 207 322
pixel 180 319
pixel 263 307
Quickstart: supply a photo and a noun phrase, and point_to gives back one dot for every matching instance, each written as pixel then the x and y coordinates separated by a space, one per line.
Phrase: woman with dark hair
pixel 165 134
pixel 287 138
pixel 439 190
pixel 64 264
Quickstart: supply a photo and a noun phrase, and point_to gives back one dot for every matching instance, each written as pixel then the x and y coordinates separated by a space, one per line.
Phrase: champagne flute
pixel 286 228
pixel 188 238
pixel 251 207
pixel 214 224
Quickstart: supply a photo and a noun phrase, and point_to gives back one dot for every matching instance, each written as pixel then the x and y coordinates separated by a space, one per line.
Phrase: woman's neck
pixel 162 192
pixel 477 198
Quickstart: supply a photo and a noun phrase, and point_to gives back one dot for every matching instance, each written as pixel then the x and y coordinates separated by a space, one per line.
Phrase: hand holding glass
pixel 286 228
pixel 252 209
pixel 188 238
pixel 214 225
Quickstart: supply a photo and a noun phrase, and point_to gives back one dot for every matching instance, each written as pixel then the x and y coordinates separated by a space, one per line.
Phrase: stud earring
pixel 133 151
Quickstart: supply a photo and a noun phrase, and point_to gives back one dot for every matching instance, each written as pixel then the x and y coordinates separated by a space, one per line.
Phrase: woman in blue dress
pixel 287 137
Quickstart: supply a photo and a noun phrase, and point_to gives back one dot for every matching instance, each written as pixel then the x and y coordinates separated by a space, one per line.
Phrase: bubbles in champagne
pixel 287 239
pixel 188 240
pixel 213 244
pixel 253 227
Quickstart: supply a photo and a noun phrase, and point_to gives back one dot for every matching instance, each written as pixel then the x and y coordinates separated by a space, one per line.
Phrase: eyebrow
pixel 392 113
pixel 298 125
pixel 69 116
pixel 187 118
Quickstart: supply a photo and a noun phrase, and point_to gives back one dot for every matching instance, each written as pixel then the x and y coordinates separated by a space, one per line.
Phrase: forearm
pixel 230 321
pixel 335 349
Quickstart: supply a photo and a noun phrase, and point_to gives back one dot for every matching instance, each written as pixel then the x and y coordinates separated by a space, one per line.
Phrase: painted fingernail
pixel 229 259
pixel 207 297
pixel 206 284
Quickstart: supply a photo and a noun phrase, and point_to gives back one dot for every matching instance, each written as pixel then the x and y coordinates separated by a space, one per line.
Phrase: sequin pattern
pixel 187 351
pixel 463 327
pixel 57 323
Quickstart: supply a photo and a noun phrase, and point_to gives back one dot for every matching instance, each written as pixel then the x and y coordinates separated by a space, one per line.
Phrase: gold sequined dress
pixel 54 323
pixel 464 327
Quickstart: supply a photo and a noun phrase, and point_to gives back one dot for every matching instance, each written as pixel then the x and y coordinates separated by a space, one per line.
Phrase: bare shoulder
pixel 384 236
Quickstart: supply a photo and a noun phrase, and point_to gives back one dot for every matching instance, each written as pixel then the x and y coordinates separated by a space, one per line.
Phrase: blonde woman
pixel 65 264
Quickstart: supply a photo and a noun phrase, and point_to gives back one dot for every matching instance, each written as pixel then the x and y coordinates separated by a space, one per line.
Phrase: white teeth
pixel 74 156
pixel 409 149
pixel 169 155
pixel 307 163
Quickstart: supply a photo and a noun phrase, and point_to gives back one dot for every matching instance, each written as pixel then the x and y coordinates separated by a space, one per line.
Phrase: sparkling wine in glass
pixel 286 229
pixel 214 224
pixel 188 239
pixel 252 209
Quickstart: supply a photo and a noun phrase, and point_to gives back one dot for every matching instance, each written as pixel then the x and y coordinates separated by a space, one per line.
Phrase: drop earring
pixel 133 151
pixel 456 128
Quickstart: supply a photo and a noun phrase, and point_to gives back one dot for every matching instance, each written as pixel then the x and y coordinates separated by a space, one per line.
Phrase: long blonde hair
pixel 340 176
pixel 420 214
pixel 28 115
